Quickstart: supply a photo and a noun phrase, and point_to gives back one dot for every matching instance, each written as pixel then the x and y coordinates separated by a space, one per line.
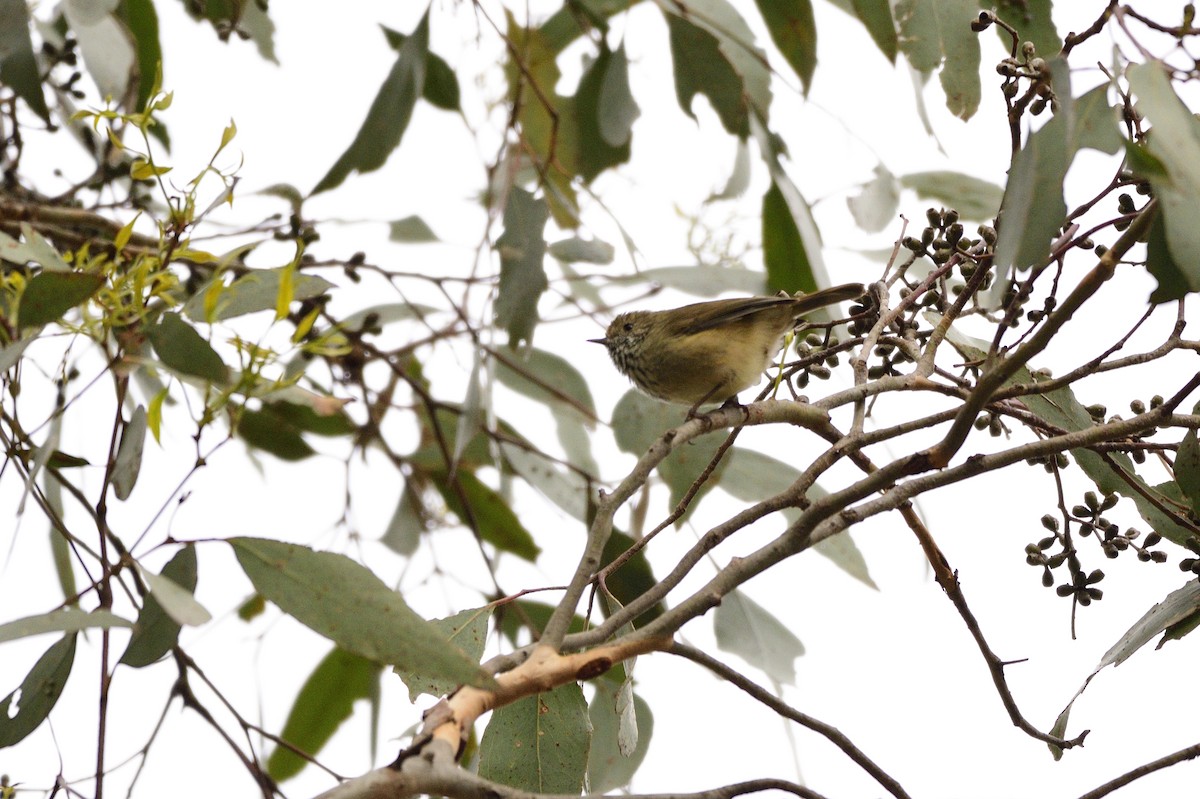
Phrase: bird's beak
pixel 599 341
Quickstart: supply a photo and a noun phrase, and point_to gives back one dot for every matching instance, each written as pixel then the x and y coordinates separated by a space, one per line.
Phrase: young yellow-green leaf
pixel 325 701
pixel 38 693
pixel 227 135
pixel 154 413
pixel 747 629
pixel 123 235
pixel 142 169
pixel 794 31
pixel 49 295
pixel 287 292
pixel 390 112
pixel 522 248
pixel 496 522
pixel 156 632
pixel 468 631
pixel 18 64
pixel 183 350
pixel 539 743
pixel 129 454
pixel 65 620
pixel 345 602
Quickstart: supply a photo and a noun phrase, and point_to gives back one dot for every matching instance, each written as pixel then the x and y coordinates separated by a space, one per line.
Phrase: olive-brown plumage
pixel 709 351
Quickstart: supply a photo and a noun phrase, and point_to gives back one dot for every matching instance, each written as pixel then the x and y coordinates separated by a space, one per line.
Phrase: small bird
pixel 709 351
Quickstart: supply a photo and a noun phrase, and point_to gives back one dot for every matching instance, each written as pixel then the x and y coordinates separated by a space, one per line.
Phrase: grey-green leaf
pixel 539 743
pixel 129 454
pixel 747 629
pixel 59 621
pixel 411 230
pixel 576 250
pixel 522 249
pixel 156 632
pixel 18 65
pixel 39 692
pixel 345 602
pixel 257 290
pixel 1174 140
pixel 467 630
pixel 875 206
pixel 390 112
pixel 616 107
pixel 617 714
pixel 937 33
pixel 789 267
pixel 972 197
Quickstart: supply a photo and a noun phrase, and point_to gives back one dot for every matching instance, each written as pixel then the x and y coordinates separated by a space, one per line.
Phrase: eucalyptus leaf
pixel 57 621
pixel 514 748
pixel 466 630
pixel 39 692
pixel 747 629
pixel 156 631
pixel 347 603
pixel 129 454
pixel 522 249
pixel 18 64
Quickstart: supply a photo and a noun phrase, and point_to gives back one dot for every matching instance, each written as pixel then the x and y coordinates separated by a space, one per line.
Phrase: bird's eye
pixel 628 327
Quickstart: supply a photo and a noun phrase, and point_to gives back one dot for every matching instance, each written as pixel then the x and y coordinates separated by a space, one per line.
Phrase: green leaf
pixel 522 248
pixel 638 423
pixel 257 290
pixel 156 632
pixel 345 602
pixel 1175 141
pixel 403 533
pixel 106 45
pixel 972 197
pixel 553 381
pixel 1177 609
pixel 539 743
pixel 390 112
pixel 441 84
pixel 267 430
pixel 129 454
pixel 176 601
pixel 141 18
pixel 575 250
pixel 323 703
pixel 64 620
pixel 49 295
pixel 1097 121
pixel 875 206
pixel 707 281
pixel 1062 410
pixel 937 33
pixel 876 15
pixel 619 718
pixel 1187 467
pixel 524 614
pixel 701 68
pixel 615 105
pixel 752 476
pixel 566 488
pixel 794 31
pixel 633 579
pixel 1033 209
pixel 468 631
pixel 39 692
pixel 183 350
pixel 747 629
pixel 411 230
pixel 1032 20
pixel 1173 280
pixel 18 65
pixel 788 266
pixel 494 519
pixel 604 111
